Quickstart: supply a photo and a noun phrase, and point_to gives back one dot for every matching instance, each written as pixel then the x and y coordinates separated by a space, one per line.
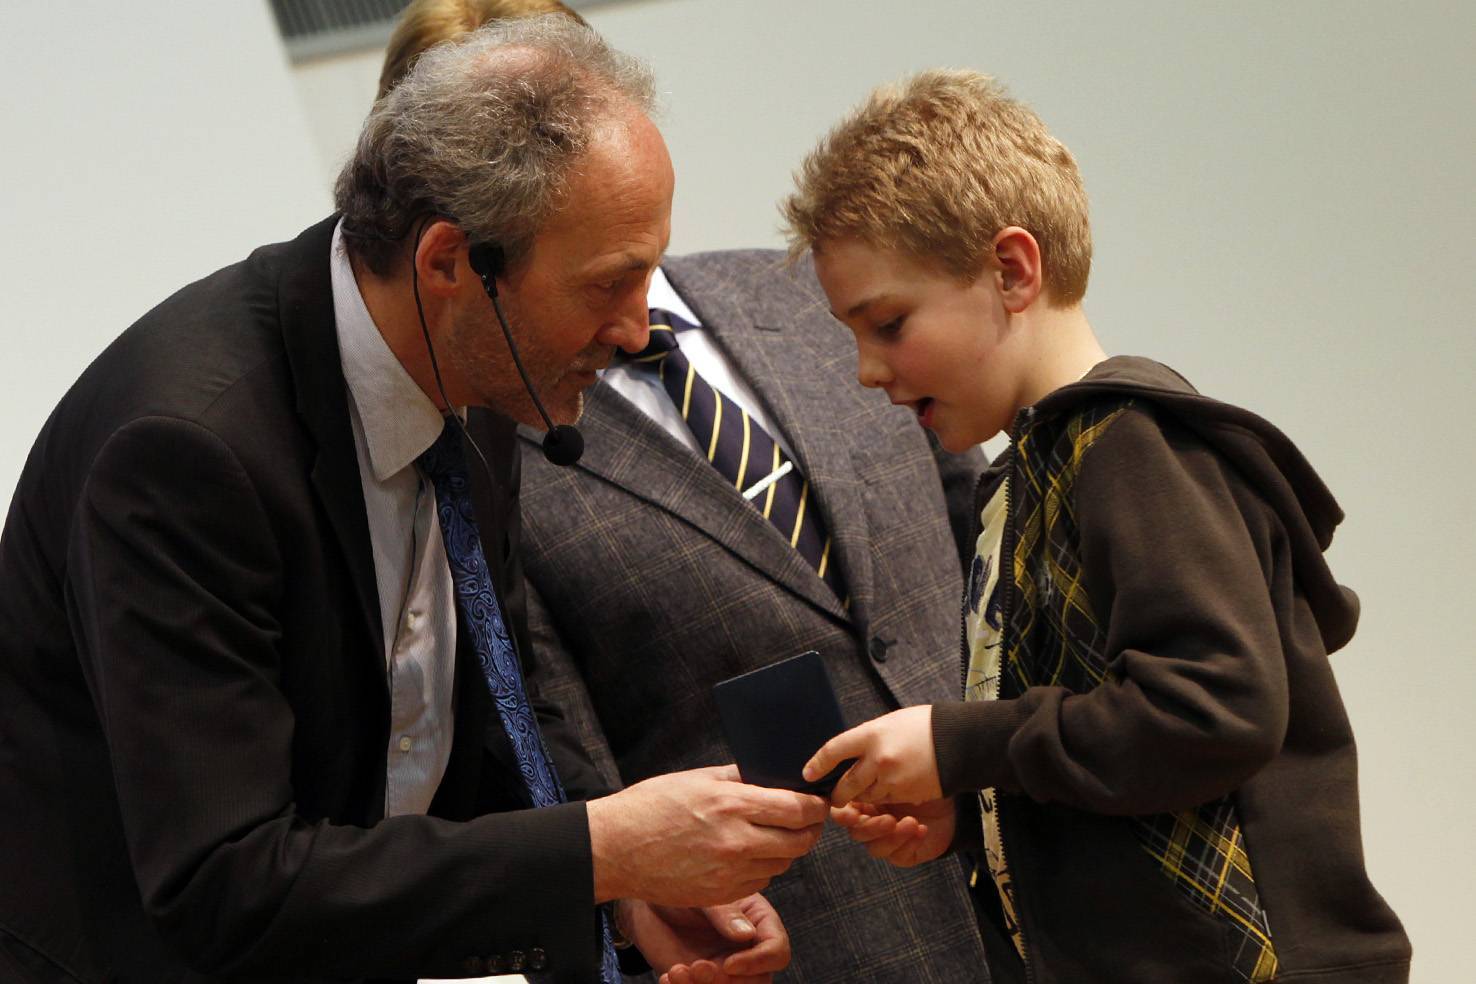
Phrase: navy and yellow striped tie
pixel 740 449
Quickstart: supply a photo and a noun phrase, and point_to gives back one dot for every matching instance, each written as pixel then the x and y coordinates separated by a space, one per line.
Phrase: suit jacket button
pixel 537 959
pixel 516 961
pixel 879 647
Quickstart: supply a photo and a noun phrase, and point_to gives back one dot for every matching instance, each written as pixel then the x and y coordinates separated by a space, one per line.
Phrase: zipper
pixel 976 528
pixel 1007 568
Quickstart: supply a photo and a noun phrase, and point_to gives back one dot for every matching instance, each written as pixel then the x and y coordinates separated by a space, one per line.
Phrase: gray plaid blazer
pixel 650 579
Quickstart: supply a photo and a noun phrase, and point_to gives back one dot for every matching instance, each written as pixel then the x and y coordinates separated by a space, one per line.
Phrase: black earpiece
pixel 563 444
pixel 487 261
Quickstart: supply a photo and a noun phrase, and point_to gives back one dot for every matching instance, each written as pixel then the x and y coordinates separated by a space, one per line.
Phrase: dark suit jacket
pixel 195 724
pixel 651 580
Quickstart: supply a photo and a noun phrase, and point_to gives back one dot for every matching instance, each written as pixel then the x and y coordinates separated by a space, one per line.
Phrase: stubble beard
pixel 490 374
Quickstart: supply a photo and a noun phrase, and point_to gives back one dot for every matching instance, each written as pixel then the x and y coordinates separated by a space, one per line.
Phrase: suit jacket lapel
pixel 803 409
pixel 625 447
pixel 310 336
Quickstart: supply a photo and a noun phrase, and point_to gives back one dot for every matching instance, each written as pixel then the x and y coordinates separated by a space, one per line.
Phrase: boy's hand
pixel 904 834
pixel 895 762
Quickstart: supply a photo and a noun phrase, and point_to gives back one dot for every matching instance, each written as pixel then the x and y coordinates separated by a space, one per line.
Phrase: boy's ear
pixel 1017 267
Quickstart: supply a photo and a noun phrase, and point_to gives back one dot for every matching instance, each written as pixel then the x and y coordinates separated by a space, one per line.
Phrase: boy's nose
pixel 871 372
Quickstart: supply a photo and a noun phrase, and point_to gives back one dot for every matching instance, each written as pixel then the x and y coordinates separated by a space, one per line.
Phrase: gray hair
pixel 483 140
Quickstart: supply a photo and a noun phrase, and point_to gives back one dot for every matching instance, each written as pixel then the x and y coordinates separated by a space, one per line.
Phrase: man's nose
pixel 631 329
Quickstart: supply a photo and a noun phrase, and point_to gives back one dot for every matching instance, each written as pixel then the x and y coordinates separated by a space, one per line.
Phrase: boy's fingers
pixel 872 829
pixel 888 848
pixel 846 816
pixel 858 780
pixel 847 744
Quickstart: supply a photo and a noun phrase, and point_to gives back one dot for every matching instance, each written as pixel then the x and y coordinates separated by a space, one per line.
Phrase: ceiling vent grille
pixel 320 28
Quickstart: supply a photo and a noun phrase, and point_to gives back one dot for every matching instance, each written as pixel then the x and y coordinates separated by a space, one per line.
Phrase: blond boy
pixel 1151 760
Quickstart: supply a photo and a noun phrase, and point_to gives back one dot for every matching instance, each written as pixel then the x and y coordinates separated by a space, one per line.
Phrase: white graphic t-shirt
pixel 983 630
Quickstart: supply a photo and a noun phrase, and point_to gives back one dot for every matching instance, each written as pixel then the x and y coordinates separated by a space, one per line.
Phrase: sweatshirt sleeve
pixel 1174 550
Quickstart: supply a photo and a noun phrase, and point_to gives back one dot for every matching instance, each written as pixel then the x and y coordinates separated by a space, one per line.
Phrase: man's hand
pixel 740 941
pixel 698 838
pixel 895 761
pixel 904 834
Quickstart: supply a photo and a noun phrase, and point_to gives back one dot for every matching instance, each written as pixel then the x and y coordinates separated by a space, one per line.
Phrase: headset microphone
pixel 563 444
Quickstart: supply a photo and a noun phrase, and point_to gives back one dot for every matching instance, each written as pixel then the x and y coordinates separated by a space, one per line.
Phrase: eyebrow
pixel 630 263
pixel 860 307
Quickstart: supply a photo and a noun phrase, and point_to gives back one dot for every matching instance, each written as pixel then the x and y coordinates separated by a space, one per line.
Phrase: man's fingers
pixel 769 952
pixel 764 957
pixel 700 972
pixel 730 921
pixel 776 843
pixel 745 889
pixel 782 808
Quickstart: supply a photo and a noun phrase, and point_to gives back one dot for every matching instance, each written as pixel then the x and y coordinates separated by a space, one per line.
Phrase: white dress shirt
pixel 642 387
pixel 393 423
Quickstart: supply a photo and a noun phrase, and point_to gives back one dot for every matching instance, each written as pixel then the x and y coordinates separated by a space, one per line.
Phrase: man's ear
pixel 1017 267
pixel 441 259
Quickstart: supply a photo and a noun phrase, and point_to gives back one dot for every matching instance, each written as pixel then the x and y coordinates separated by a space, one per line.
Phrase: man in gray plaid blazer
pixel 650 579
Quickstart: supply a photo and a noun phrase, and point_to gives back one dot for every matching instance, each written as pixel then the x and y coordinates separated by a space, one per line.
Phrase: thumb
pixel 729 920
pixel 846 745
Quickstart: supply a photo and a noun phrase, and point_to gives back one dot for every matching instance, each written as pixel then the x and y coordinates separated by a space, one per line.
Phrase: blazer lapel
pixel 806 398
pixel 310 336
pixel 625 447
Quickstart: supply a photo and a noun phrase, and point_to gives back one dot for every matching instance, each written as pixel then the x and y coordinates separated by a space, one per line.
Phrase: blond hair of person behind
pixel 935 166
pixel 426 23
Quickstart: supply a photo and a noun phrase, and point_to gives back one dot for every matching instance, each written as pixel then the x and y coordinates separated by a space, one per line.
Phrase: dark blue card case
pixel 776 717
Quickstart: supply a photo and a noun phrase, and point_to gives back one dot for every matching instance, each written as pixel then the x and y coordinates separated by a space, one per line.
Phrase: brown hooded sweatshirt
pixel 1174 769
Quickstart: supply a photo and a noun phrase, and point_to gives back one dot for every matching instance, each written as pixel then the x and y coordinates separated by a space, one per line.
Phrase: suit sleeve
pixel 174 582
pixel 1195 700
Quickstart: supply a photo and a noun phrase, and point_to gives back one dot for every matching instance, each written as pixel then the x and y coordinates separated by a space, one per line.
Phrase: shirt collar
pixel 399 421
pixel 661 294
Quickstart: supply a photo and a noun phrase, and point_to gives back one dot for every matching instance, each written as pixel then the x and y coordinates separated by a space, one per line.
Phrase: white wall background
pixel 1282 203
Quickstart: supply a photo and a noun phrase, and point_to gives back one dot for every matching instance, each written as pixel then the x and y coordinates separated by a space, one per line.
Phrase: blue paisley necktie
pixel 479 615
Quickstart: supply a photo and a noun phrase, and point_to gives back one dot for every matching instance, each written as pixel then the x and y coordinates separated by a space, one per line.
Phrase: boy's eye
pixel 891 327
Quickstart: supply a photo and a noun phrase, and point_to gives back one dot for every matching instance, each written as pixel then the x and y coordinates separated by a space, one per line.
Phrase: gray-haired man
pixel 262 623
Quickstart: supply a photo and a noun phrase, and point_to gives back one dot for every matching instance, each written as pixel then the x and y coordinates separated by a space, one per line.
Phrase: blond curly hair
pixel 935 166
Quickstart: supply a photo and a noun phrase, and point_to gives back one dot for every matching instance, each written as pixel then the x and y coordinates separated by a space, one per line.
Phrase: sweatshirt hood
pixel 1264 456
